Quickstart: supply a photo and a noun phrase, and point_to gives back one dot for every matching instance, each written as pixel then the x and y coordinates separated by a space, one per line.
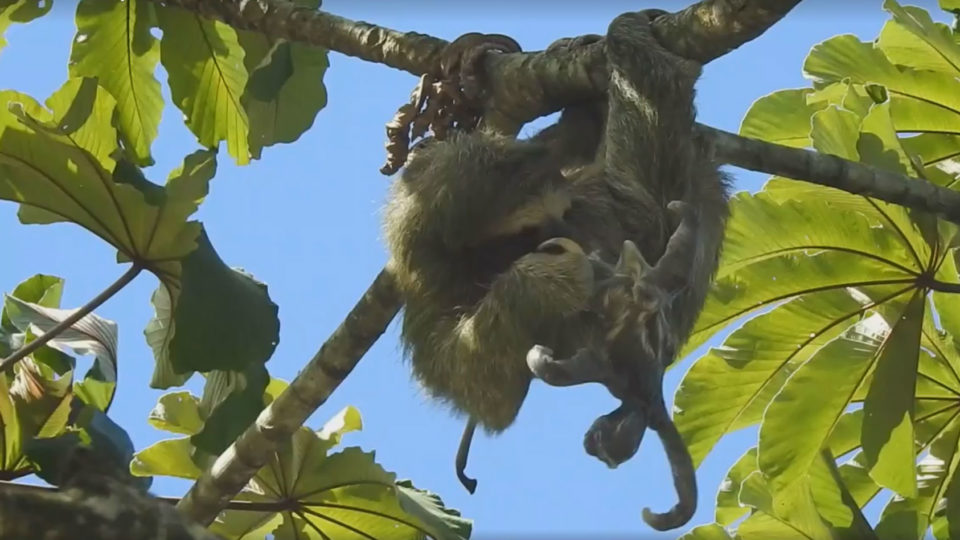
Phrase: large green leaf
pixel 343 495
pixel 731 386
pixel 835 503
pixel 729 508
pixel 285 89
pixel 921 100
pixel 707 532
pixel 791 512
pixel 114 44
pixel 204 64
pixel 58 164
pixel 913 39
pixel 888 408
pixel 789 442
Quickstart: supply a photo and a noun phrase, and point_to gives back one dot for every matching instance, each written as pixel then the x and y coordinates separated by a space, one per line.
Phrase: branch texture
pixel 309 390
pixel 834 172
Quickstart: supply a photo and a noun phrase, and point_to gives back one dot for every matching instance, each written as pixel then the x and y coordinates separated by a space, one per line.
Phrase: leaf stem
pixel 8 362
pixel 943 286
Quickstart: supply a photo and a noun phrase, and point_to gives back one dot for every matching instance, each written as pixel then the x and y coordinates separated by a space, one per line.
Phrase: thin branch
pixel 309 390
pixel 128 276
pixel 832 171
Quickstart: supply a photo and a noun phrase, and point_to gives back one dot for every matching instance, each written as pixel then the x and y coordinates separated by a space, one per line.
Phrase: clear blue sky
pixel 306 220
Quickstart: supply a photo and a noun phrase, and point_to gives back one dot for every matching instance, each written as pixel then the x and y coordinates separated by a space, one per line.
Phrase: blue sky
pixel 306 220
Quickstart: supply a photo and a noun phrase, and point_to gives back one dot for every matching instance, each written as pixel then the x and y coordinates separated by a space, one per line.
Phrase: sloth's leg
pixel 585 366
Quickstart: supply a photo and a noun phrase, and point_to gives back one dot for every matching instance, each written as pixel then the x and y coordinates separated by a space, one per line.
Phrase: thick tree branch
pixel 523 86
pixel 308 390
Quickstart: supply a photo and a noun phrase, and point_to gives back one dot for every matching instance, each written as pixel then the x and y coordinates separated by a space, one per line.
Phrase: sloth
pixel 471 222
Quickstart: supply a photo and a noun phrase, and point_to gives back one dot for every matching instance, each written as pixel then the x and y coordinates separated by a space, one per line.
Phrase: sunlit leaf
pixel 345 493
pixel 204 64
pixel 58 165
pixel 888 409
pixel 170 457
pixel 114 44
pixel 790 442
pixel 835 503
pixel 913 39
pixel 729 508
pixel 177 412
pixel 707 532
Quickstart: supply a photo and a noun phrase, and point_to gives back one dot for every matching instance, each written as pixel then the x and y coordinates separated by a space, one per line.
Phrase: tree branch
pixel 835 172
pixel 309 390
pixel 95 302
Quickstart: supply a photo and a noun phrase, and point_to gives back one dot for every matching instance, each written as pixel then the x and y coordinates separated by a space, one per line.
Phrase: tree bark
pixel 307 392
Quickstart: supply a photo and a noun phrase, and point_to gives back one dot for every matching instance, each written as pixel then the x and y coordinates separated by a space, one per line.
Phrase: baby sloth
pixel 628 356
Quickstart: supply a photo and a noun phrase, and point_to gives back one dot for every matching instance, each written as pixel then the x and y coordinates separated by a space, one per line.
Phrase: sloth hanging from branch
pixel 523 258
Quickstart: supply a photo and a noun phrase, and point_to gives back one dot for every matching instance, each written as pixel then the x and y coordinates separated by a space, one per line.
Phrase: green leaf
pixel 170 457
pixel 207 315
pixel 429 509
pixel 224 318
pixel 809 246
pixel 782 117
pixel 921 101
pixel 888 409
pixel 11 458
pixel 114 44
pixel 41 290
pixel 707 532
pixel 729 508
pixel 90 335
pixel 58 165
pixel 20 11
pixel 177 412
pixel 835 503
pixel 792 510
pixel 204 63
pixel 41 399
pixel 339 494
pixel 912 39
pixel 234 413
pixel 730 387
pixel 790 440
pixel 285 89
